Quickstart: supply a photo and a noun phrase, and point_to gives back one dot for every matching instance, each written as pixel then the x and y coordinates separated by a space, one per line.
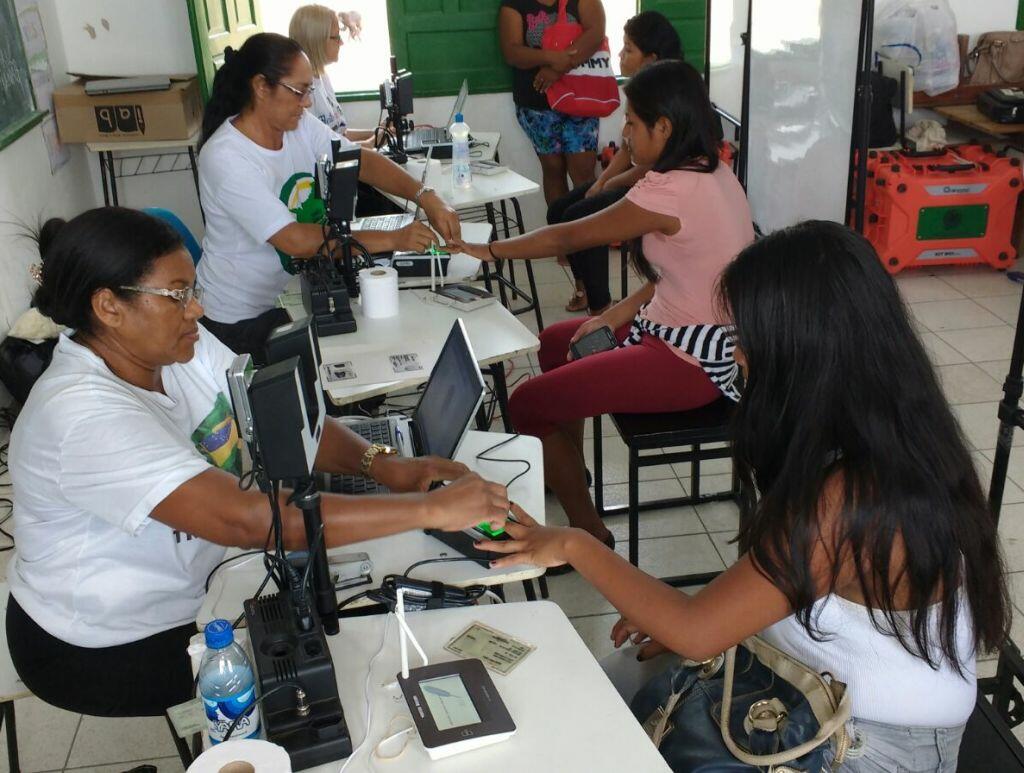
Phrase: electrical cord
pixel 222 563
pixel 426 561
pixel 420 594
pixel 301 699
pixel 482 457
pixel 366 693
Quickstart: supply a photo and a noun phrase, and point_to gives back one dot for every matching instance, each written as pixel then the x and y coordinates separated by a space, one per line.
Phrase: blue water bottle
pixel 226 685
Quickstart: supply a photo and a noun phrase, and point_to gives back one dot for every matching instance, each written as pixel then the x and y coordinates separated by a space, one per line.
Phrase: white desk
pixel 568 716
pixel 238 581
pixel 423 325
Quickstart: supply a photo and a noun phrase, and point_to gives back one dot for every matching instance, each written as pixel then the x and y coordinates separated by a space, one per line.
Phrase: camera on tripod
pixel 329 279
pixel 396 99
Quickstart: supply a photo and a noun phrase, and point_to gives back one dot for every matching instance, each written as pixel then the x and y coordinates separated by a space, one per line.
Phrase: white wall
pixel 29 194
pixel 976 16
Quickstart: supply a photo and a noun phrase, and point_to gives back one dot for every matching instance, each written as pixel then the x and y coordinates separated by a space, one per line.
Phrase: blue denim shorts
pixel 879 748
pixel 552 132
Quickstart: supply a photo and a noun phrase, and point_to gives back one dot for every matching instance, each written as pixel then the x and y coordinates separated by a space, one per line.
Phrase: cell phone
pixel 600 340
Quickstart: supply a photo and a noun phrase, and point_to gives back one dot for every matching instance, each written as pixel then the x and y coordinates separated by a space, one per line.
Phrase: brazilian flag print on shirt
pixel 217 438
pixel 299 195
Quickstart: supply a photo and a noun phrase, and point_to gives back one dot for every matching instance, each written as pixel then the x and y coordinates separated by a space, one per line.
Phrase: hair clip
pixel 36 272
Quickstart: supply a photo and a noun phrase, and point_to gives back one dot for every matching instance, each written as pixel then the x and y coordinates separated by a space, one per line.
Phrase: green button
pixel 485 527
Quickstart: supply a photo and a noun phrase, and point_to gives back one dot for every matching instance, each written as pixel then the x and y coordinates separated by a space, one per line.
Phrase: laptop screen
pixel 460 102
pixel 451 396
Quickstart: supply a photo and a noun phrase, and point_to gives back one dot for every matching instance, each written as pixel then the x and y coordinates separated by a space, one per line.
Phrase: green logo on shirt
pixel 217 437
pixel 299 195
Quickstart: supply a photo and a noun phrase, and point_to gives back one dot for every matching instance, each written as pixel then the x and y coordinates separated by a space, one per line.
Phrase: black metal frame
pixel 7 717
pixel 109 175
pixel 694 439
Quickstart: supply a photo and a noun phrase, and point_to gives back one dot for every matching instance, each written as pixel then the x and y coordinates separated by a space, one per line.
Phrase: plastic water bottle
pixel 462 173
pixel 226 685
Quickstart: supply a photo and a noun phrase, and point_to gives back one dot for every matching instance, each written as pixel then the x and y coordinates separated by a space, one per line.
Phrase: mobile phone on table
pixel 600 340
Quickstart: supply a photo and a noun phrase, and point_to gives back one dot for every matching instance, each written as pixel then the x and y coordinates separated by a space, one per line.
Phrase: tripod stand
pixel 1006 709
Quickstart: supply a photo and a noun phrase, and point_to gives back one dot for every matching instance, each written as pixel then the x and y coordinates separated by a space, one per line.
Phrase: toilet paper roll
pixel 242 756
pixel 378 292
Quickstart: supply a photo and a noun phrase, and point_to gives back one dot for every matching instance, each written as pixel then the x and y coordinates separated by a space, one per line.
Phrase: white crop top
pixel 886 683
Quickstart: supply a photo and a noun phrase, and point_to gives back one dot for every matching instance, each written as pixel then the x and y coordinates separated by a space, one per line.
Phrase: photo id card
pixel 498 651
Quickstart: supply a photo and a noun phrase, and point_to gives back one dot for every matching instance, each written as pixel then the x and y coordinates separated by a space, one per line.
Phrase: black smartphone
pixel 601 340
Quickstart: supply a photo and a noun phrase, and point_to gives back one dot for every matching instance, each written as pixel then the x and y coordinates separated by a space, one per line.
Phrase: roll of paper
pixel 378 292
pixel 243 756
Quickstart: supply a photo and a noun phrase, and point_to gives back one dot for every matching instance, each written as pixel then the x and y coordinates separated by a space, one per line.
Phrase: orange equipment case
pixel 952 206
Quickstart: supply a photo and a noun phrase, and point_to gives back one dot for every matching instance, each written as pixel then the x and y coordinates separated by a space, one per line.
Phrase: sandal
pixel 578 302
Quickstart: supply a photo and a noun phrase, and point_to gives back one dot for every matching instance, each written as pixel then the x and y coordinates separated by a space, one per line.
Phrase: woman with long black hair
pixel 258 150
pixel 871 553
pixel 692 217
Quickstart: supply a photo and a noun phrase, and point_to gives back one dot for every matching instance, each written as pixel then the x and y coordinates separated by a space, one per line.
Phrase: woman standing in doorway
pixel 564 144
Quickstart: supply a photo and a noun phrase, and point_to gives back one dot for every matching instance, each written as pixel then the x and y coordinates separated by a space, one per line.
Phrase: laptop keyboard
pixel 375 432
pixel 385 222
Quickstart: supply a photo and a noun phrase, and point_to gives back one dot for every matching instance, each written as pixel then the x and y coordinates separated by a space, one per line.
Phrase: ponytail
pixel 266 54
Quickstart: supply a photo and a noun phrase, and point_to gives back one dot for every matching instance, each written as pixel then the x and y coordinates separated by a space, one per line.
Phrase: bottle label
pixel 221 712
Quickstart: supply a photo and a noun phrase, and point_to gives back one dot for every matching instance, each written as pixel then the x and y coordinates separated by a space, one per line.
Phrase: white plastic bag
pixel 922 34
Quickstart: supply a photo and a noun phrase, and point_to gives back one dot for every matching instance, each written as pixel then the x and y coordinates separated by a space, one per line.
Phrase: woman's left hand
pixel 443 218
pixel 544 78
pixel 531 543
pixel 402 474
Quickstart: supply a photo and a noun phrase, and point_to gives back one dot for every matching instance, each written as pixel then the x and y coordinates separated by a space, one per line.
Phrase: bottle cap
pixel 458 118
pixel 218 634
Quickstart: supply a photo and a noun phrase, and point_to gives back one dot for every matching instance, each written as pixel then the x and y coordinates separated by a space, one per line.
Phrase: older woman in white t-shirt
pixel 125 464
pixel 316 28
pixel 258 152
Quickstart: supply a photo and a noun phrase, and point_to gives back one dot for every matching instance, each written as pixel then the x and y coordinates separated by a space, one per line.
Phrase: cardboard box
pixel 173 114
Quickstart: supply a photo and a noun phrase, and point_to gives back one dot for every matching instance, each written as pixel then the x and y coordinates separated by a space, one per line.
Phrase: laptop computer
pixel 397 220
pixel 442 417
pixel 419 139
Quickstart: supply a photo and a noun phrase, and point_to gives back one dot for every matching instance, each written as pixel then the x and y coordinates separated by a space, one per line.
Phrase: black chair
pixel 651 433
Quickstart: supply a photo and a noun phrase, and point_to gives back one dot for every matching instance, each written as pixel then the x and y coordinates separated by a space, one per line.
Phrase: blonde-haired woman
pixel 317 30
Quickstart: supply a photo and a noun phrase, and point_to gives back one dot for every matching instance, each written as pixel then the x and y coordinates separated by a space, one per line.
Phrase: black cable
pixel 426 561
pixel 255 703
pixel 481 457
pixel 226 561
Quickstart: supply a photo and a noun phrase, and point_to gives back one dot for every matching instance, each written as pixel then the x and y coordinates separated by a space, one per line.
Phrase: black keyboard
pixel 375 432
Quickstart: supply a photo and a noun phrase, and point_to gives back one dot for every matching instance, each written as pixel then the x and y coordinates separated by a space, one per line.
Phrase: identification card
pixel 188 718
pixel 338 371
pixel 498 651
pixel 405 363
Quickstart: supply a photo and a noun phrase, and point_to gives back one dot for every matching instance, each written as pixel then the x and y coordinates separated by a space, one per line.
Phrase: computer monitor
pixel 451 398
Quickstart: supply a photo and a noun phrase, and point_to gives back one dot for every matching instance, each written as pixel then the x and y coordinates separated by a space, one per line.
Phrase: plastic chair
pixel 186 235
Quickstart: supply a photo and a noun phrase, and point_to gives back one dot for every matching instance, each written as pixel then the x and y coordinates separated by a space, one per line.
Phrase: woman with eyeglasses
pixel 125 462
pixel 318 30
pixel 258 151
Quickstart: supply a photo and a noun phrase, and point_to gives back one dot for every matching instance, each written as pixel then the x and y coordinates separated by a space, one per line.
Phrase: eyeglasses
pixel 184 296
pixel 300 93
pixel 334 37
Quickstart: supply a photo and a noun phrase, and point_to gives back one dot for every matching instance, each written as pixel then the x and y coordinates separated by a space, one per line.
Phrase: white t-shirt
pixel 90 457
pixel 249 193
pixel 325 105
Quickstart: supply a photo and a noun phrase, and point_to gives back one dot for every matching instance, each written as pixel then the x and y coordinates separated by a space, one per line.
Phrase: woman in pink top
pixel 692 217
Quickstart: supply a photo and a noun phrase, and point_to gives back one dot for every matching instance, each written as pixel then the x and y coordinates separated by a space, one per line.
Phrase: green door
pixel 217 24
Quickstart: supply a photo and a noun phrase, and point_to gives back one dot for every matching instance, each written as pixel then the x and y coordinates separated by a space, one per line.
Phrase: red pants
pixel 646 378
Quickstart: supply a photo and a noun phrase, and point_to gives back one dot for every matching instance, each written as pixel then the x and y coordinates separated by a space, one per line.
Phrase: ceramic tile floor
pixel 965 317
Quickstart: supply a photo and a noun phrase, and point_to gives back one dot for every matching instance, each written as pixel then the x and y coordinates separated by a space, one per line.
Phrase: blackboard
pixel 17 106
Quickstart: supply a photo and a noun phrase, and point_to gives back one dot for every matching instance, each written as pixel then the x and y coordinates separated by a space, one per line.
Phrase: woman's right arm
pixel 304 240
pixel 242 518
pixel 522 56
